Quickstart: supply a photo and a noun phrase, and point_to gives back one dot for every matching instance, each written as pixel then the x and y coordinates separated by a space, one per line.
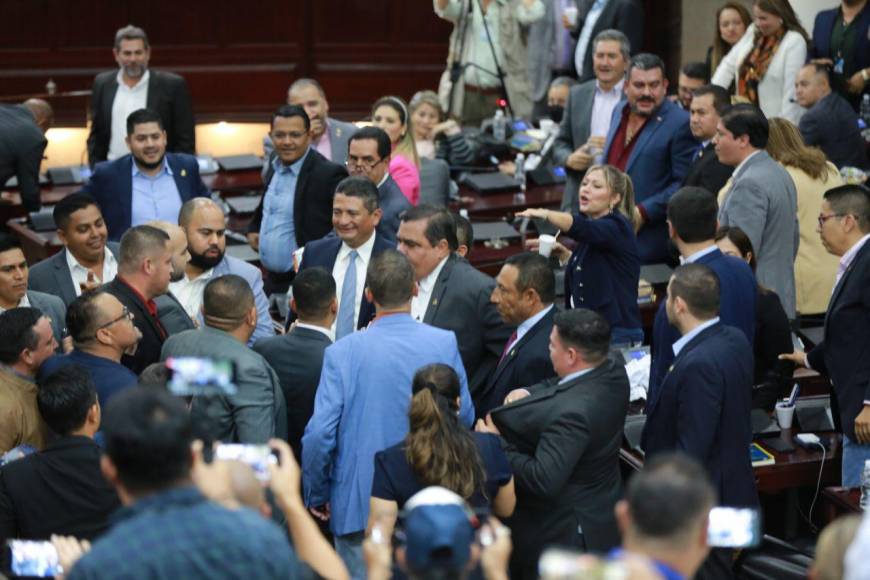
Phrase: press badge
pixel 838 66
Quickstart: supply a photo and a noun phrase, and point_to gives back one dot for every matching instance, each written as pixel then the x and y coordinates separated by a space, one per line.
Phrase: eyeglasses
pixel 125 314
pixel 823 218
pixel 366 163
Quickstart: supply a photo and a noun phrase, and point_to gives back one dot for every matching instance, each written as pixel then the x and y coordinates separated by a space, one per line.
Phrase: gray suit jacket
pixel 257 411
pixel 762 202
pixel 339 135
pixel 54 308
pixel 52 275
pixel 393 204
pixel 540 51
pixel 434 182
pixel 172 314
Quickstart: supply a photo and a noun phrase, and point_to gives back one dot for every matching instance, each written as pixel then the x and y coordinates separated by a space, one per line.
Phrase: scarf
pixel 754 66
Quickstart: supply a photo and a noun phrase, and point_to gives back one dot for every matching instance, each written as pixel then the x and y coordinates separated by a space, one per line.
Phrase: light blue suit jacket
pixel 361 408
pixel 254 278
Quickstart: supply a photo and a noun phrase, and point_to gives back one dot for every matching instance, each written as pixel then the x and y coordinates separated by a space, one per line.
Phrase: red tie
pixel 507 347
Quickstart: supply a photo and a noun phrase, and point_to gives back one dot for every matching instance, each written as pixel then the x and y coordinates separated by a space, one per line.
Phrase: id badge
pixel 838 66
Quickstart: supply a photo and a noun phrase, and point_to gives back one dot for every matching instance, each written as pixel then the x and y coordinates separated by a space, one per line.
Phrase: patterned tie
pixel 348 298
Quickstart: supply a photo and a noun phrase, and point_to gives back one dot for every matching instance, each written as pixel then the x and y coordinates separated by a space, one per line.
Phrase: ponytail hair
pixel 439 449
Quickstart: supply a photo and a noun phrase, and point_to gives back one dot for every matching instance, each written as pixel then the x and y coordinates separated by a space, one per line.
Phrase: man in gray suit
pixel 22 143
pixel 452 294
pixel 297 357
pixel 586 121
pixel 14 292
pixel 762 200
pixel 257 411
pixel 550 50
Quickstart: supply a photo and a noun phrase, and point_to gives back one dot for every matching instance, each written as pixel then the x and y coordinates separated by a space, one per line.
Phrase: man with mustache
pixel 204 224
pixel 116 94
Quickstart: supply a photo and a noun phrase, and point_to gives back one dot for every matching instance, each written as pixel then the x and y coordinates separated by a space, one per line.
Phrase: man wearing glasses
pixel 368 156
pixel 102 331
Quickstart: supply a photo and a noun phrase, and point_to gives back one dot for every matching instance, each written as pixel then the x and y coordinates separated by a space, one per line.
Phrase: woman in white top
pixel 763 65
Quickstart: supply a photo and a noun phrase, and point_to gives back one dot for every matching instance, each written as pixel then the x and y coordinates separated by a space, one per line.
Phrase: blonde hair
pixel 405 146
pixel 617 182
pixel 427 98
pixel 832 545
pixel 786 145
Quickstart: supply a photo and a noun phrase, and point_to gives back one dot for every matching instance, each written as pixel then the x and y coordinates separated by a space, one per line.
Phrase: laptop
pixel 239 162
pixel 491 182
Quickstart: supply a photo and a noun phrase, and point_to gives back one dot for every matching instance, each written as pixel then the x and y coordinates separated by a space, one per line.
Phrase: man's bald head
pixel 812 84
pixel 42 113
pixel 194 206
pixel 178 247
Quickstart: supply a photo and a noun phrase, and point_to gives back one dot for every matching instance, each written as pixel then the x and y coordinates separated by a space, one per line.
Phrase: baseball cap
pixel 438 530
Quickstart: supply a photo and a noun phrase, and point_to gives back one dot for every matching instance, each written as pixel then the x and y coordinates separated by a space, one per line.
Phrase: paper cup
pixel 784 415
pixel 547 125
pixel 570 12
pixel 545 244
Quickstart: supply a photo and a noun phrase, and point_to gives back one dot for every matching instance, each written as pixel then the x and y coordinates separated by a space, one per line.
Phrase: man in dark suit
pixel 146 184
pixel 355 215
pixel 524 293
pixel 22 144
pixel 562 439
pixel 297 205
pixel 60 489
pixel 143 274
pixel 369 156
pixel 451 294
pixel 650 140
pixel 704 403
pixel 850 58
pixel 692 228
pixel 594 16
pixel 297 357
pixel 116 94
pixel 844 225
pixel 830 123
pixel 709 103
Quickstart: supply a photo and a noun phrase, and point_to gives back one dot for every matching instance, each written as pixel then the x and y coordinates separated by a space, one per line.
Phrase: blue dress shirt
pixel 684 340
pixel 155 198
pixel 278 230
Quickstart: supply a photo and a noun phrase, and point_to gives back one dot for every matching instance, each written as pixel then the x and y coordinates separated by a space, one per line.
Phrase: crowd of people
pixel 411 415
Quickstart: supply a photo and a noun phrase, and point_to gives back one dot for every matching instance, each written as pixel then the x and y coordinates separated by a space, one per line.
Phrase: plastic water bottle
pixel 865 109
pixel 865 486
pixel 499 126
pixel 520 173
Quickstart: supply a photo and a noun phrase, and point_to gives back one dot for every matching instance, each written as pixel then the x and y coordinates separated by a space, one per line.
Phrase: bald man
pixel 170 310
pixel 22 145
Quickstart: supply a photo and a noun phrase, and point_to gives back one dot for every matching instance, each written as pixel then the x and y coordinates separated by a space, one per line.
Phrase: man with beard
pixel 116 94
pixel 649 139
pixel 204 224
pixel 147 184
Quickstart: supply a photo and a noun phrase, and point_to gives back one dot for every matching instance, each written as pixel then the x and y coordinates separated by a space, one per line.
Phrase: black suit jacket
pixel 623 15
pixel 59 490
pixel 843 353
pixel 703 409
pixel 832 125
pixel 526 363
pixel 706 171
pixel 153 332
pixel 312 204
pixel 22 145
pixel 563 444
pixel 393 204
pixel 167 95
pixel 460 302
pixel 297 358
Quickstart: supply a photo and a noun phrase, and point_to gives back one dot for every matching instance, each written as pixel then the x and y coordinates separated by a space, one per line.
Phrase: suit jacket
pixel 843 353
pixel 59 490
pixel 540 52
pixel 339 138
pixel 297 358
pixel 148 350
pixel 703 409
pixel 658 165
pixel 708 172
pixel 460 302
pixel 254 277
pixel 167 95
pixel 762 202
pixel 172 314
pixel 367 375
pixel 823 29
pixel 526 363
pixel 434 182
pixel 393 203
pixel 563 444
pixel 111 185
pixel 257 412
pixel 53 307
pixel 22 145
pixel 324 252
pixel 312 203
pixel 52 275
pixel 832 125
pixel 738 293
pixel 625 16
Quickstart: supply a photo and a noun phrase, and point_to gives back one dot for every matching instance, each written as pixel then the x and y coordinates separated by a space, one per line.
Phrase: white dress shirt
pixel 329 332
pixel 603 103
pixel 79 273
pixel 699 254
pixel 364 256
pixel 23 303
pixel 420 302
pixel 190 292
pixel 127 100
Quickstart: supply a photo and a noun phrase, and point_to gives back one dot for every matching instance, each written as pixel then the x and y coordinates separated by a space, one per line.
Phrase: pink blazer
pixel 407 177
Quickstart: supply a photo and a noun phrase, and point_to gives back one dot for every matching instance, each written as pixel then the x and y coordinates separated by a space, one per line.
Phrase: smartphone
pixel 259 457
pixel 34 559
pixel 191 376
pixel 734 528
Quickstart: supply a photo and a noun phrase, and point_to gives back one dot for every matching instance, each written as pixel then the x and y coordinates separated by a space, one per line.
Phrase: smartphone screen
pixel 35 559
pixel 200 376
pixel 259 457
pixel 733 528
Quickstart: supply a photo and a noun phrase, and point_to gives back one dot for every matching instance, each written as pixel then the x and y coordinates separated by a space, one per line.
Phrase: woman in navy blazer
pixel 603 271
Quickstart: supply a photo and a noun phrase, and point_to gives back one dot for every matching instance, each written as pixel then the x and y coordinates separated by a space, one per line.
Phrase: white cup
pixel 547 125
pixel 545 244
pixel 784 415
pixel 570 12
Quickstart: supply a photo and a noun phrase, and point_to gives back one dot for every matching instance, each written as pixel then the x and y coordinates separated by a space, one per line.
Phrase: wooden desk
pixel 840 501
pixel 495 206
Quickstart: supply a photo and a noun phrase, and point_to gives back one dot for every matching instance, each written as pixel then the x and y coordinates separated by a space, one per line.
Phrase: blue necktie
pixel 348 298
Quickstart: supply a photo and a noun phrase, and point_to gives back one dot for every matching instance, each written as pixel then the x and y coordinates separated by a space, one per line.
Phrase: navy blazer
pixel 823 29
pixel 703 409
pixel 738 293
pixel 658 165
pixel 527 363
pixel 393 203
pixel 111 186
pixel 323 253
pixel 604 269
pixel 844 353
pixel 832 126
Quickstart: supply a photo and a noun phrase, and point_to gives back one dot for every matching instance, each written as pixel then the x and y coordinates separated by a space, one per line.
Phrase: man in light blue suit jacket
pixel 362 401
